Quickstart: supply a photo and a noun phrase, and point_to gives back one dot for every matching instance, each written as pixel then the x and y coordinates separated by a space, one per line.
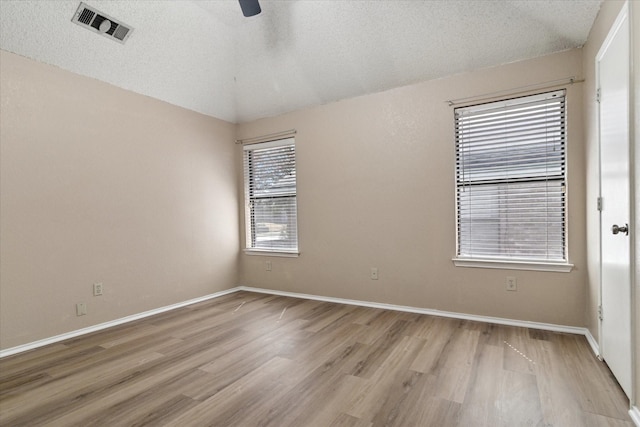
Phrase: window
pixel 270 196
pixel 511 180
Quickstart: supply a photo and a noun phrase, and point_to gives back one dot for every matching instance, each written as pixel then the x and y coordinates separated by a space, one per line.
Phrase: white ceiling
pixel 205 56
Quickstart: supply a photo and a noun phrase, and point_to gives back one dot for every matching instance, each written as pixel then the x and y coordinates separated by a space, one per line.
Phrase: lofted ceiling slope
pixel 205 56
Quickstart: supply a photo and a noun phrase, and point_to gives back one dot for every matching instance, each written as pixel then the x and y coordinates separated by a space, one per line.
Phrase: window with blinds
pixel 511 180
pixel 270 196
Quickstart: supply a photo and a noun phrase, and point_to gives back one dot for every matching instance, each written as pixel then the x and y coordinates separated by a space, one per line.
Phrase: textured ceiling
pixel 205 56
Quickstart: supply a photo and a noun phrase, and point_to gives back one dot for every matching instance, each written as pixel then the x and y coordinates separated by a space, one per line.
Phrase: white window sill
pixel 558 267
pixel 264 252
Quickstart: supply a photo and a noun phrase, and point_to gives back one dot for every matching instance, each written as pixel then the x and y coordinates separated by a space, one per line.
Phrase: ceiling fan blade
pixel 250 7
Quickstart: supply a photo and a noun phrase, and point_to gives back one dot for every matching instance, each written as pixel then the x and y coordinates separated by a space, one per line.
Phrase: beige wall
pixel 102 185
pixel 376 189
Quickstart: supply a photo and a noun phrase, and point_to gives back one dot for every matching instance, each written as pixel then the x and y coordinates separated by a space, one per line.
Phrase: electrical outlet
pixel 268 265
pixel 374 273
pixel 81 309
pixel 97 289
pixel 512 284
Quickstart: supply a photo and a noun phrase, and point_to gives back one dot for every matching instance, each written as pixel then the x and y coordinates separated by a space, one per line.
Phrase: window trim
pixel 507 263
pixel 513 264
pixel 269 252
pixel 248 249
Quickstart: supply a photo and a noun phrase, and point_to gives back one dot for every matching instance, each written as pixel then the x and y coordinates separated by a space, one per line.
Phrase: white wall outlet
pixel 374 273
pixel 512 284
pixel 81 309
pixel 97 289
pixel 268 265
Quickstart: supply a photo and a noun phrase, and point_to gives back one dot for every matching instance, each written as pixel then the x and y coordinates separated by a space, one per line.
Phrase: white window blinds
pixel 270 196
pixel 510 176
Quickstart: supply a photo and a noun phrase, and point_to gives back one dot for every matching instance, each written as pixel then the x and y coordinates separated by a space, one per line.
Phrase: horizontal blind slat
pixel 270 193
pixel 510 173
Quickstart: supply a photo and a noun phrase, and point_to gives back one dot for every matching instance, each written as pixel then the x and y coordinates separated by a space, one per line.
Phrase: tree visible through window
pixel 510 176
pixel 270 195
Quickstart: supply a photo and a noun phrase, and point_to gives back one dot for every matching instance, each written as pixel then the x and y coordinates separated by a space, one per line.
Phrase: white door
pixel 612 65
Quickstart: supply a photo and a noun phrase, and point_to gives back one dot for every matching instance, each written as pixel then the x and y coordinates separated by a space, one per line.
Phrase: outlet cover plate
pixel 81 309
pixel 97 289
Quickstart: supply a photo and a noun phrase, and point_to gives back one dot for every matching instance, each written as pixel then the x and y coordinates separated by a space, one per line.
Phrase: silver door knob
pixel 624 229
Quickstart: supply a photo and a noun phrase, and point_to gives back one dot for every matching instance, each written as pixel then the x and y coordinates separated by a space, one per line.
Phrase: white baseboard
pixel 487 319
pixel 593 343
pixel 105 325
pixel 634 413
pixel 408 309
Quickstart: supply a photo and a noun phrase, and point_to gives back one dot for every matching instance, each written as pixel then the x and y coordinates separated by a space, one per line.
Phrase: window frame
pixel 503 261
pixel 249 199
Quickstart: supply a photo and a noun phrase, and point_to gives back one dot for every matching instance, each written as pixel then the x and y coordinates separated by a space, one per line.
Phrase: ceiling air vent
pixel 98 22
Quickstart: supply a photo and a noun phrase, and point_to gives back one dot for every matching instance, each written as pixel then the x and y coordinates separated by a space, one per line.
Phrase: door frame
pixel 624 13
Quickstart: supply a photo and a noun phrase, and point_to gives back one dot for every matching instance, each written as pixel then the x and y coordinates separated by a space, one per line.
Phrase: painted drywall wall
pixel 103 185
pixel 607 15
pixel 376 189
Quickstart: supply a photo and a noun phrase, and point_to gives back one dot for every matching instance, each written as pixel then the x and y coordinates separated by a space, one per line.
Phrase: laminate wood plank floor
pixel 249 359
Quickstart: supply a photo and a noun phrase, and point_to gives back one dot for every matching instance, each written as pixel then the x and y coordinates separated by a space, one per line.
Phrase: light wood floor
pixel 250 359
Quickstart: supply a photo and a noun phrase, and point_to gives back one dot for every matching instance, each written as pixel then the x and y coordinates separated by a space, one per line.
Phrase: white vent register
pixel 100 23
